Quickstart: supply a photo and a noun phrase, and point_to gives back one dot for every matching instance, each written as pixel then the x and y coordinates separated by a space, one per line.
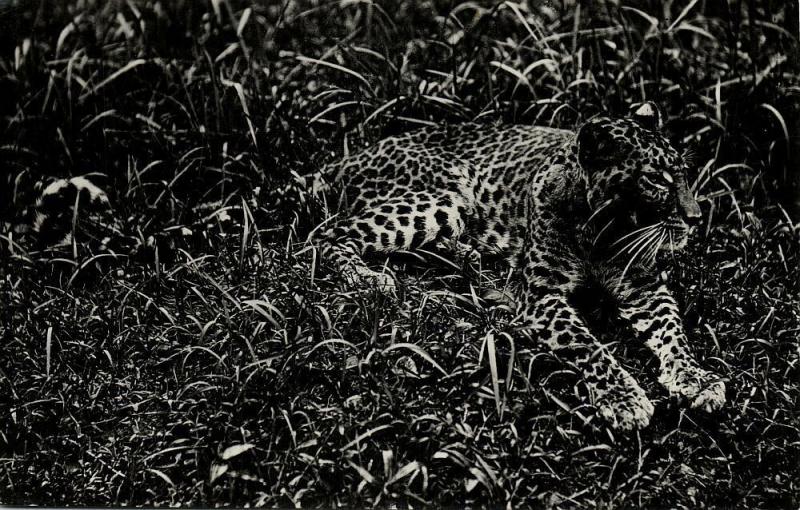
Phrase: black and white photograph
pixel 400 253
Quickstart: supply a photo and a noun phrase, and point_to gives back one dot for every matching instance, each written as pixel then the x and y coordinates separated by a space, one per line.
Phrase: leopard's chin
pixel 677 237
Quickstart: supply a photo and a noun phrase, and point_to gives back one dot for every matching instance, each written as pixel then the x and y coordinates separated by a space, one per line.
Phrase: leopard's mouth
pixel 677 236
pixel 669 232
pixel 648 237
pixel 644 233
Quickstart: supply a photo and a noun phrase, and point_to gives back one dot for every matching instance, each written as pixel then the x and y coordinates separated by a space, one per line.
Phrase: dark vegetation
pixel 227 365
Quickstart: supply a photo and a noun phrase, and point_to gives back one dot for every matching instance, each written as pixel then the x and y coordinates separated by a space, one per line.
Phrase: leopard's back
pixel 474 158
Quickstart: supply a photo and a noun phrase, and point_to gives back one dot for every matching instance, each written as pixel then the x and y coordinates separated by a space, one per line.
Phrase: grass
pixel 228 365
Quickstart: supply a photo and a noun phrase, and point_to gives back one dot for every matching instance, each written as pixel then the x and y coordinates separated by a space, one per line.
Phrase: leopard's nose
pixel 692 212
pixel 689 207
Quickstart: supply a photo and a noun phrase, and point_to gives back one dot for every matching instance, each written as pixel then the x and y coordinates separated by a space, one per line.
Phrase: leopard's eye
pixel 656 185
pixel 667 176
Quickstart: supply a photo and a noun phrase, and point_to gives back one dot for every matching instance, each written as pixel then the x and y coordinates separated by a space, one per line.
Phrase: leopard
pixel 561 208
pixel 557 206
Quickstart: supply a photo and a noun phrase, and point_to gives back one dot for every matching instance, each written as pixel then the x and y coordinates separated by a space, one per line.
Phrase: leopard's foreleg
pixel 653 314
pixel 545 312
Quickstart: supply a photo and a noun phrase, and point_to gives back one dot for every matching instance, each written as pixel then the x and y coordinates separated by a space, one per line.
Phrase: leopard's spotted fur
pixel 528 193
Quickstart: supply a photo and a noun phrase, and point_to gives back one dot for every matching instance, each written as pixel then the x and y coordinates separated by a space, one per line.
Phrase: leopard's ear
pixel 647 114
pixel 597 146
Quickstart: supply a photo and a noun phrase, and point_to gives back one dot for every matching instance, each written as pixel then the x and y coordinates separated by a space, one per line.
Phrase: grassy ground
pixel 228 365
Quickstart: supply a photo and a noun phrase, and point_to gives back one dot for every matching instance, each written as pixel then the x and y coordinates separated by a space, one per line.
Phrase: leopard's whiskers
pixel 597 211
pixel 651 255
pixel 602 230
pixel 642 237
pixel 637 231
pixel 671 246
pixel 649 237
pixel 655 242
pixel 690 156
pixel 657 247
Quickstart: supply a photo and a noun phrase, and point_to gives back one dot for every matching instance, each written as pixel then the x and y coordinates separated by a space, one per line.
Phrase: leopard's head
pixel 638 179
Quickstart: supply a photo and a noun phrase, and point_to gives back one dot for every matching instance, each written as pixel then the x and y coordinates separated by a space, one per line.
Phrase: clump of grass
pixel 229 365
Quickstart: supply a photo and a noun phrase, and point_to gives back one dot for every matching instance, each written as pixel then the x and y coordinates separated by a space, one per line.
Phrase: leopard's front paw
pixel 629 411
pixel 624 405
pixel 711 398
pixel 704 390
